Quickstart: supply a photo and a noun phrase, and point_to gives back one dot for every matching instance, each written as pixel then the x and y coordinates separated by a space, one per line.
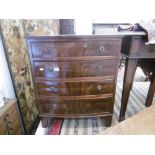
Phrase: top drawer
pixel 108 47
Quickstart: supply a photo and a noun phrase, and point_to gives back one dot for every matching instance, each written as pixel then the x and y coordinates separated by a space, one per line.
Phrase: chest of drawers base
pixel 74 76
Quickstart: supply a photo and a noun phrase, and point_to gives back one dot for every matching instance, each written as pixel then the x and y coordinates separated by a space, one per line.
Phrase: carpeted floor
pixel 94 126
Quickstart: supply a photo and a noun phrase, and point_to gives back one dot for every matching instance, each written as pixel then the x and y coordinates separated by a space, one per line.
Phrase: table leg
pixel 130 67
pixel 108 120
pixel 151 91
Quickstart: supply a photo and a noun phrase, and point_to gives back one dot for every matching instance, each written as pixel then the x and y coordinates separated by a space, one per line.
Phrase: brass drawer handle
pixel 49 49
pixel 54 105
pixel 99 87
pixel 10 132
pixel 52 88
pixel 51 69
pixel 102 50
pixel 6 118
pixel 85 45
pixel 100 68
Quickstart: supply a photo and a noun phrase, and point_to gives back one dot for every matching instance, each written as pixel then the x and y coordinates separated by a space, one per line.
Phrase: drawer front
pixel 78 107
pixel 71 69
pixel 9 116
pixel 11 128
pixel 53 88
pixel 8 121
pixel 73 49
pixel 15 129
pixel 148 48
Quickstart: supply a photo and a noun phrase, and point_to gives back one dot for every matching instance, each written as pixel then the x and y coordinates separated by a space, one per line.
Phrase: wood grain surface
pixel 75 76
pixel 140 124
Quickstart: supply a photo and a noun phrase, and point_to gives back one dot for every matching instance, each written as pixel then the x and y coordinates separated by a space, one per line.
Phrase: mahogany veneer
pixel 75 76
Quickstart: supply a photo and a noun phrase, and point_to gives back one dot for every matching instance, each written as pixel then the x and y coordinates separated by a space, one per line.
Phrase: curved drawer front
pixel 71 69
pixel 66 107
pixel 53 88
pixel 73 49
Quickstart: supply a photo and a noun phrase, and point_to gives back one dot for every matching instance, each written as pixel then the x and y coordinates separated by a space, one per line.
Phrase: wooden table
pixel 134 48
pixel 142 123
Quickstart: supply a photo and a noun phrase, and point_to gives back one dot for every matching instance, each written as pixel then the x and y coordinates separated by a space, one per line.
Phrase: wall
pixel 14 31
pixel 40 27
pixel 6 86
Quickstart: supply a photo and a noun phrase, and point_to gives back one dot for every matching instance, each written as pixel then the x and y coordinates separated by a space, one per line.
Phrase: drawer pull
pixel 54 106
pixel 99 68
pixel 102 50
pixel 6 117
pixel 85 45
pixel 53 69
pixel 49 49
pixel 50 69
pixel 52 88
pixel 41 69
pixel 99 87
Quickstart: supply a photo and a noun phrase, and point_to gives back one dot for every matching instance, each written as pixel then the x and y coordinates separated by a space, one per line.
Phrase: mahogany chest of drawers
pixel 9 119
pixel 75 76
